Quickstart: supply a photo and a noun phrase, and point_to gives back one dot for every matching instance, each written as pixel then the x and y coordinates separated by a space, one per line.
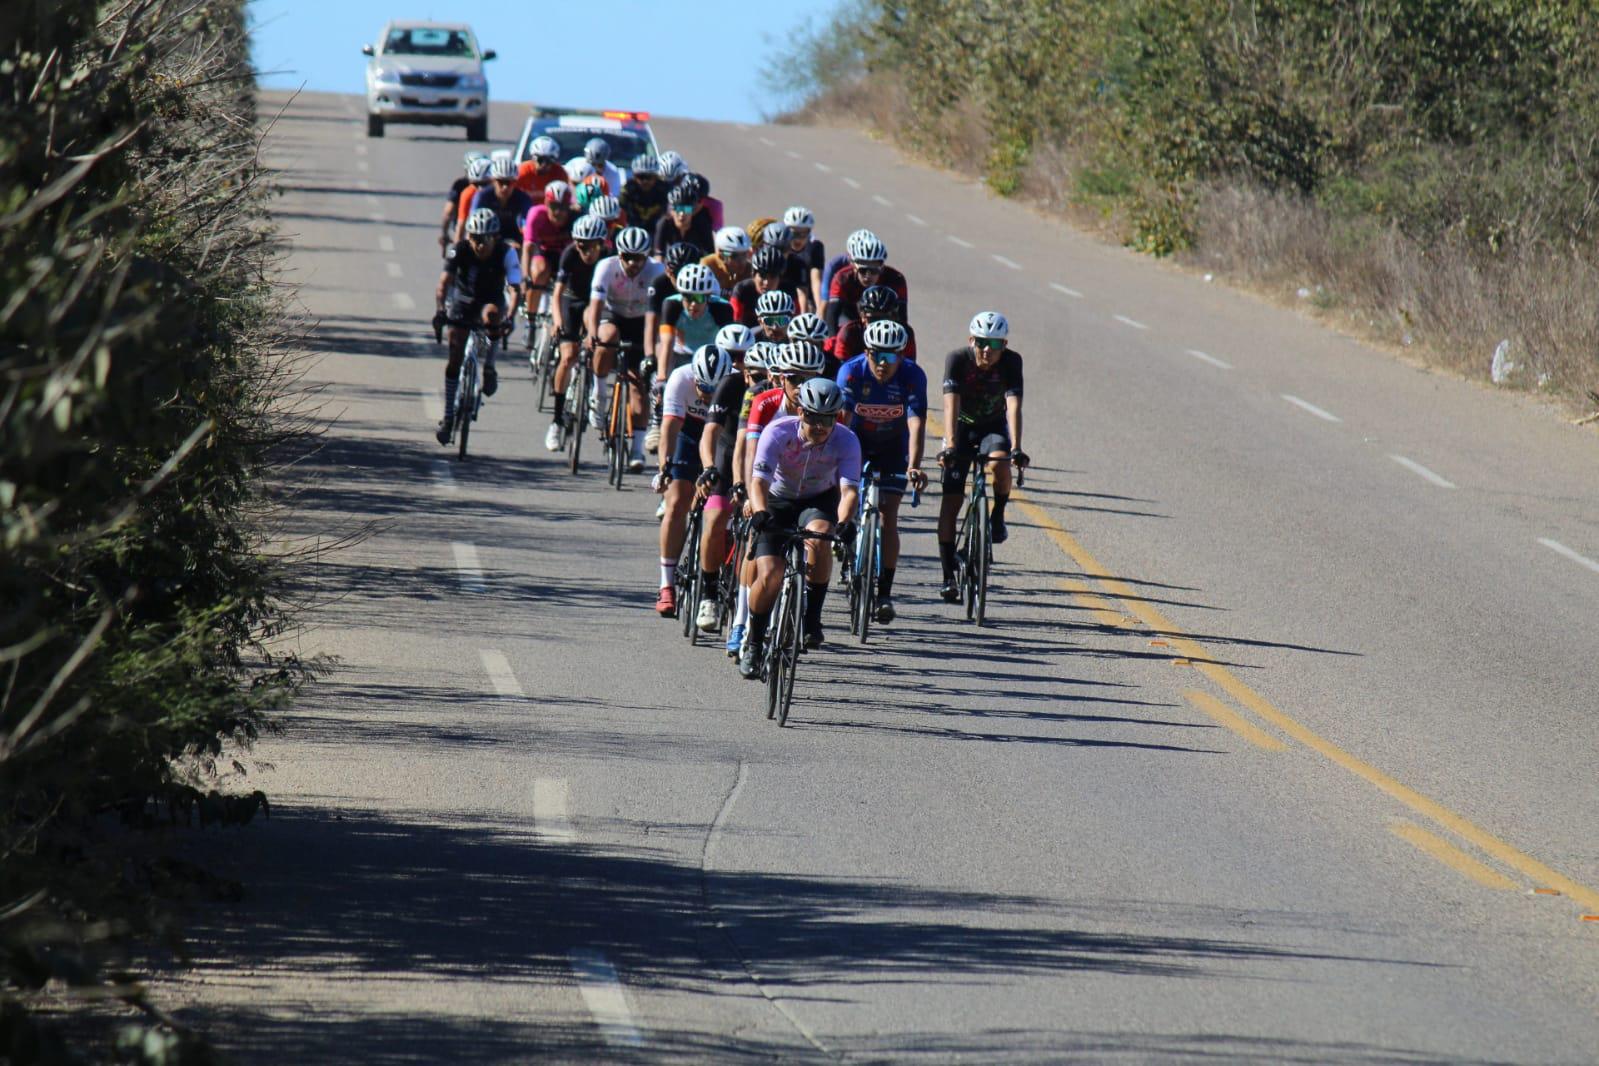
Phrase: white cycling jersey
pixel 626 297
pixel 682 398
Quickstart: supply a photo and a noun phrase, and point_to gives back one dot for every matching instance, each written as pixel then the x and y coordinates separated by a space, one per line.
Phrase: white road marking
pixel 881 199
pixel 852 183
pixel 362 165
pixel 768 142
pixel 441 467
pixel 403 301
pixel 956 240
pixel 823 167
pixel 385 243
pixel 1002 261
pixel 1211 359
pixel 394 270
pixel 1058 287
pixel 1560 549
pixel 794 155
pixel 915 219
pixel 470 568
pixel 550 817
pixel 361 148
pixel 1325 416
pixel 503 677
pixel 602 994
pixel 376 216
pixel 432 406
pixel 1422 472
pixel 372 201
pixel 1124 320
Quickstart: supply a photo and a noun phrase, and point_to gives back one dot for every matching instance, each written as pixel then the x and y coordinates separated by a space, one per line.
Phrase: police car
pixel 627 132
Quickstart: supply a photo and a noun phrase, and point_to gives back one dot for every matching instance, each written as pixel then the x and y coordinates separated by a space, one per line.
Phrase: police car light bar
pixel 628 116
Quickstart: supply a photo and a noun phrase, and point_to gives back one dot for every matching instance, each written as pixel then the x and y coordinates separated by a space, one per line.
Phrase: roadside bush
pixel 141 400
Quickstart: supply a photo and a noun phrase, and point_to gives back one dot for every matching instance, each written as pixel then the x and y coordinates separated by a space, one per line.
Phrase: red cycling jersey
pixel 531 178
pixel 850 341
pixel 764 410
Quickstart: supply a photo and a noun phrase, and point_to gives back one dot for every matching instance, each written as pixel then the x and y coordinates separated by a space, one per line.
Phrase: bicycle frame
pixel 785 637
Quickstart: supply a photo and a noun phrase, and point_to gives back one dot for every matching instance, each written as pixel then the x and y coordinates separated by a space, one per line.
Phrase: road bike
pixel 690 583
pixel 468 390
pixel 785 638
pixel 578 387
pixel 619 420
pixel 543 352
pixel 863 564
pixel 727 584
pixel 974 546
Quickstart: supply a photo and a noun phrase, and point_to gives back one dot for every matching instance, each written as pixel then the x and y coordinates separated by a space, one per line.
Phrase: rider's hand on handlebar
pixel 943 458
pixel 760 520
pixel 439 321
pixel 708 480
pixel 660 482
pixel 918 480
pixel 1020 458
pixel 847 530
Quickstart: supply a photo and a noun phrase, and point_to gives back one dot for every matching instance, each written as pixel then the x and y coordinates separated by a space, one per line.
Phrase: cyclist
pixel 643 195
pixel 796 363
pixel 542 166
pixel 865 268
pixel 877 302
pixel 982 416
pixel 731 261
pixel 684 222
pixel 597 156
pixel 545 235
pixel 574 280
pixel 773 312
pixel 586 183
pixel 729 408
pixel 709 206
pixel 672 167
pixel 766 276
pixel 689 319
pixel 806 475
pixel 885 399
pixel 810 327
pixel 610 209
pixel 808 250
pixel 452 200
pixel 686 400
pixel 471 290
pixel 716 459
pixel 792 277
pixel 477 174
pixel 503 198
pixel 618 299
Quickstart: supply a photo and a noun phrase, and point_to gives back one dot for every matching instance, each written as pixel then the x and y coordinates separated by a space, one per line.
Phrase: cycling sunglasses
pixel 683 209
pixel 810 418
pixel 881 355
pixel 589 246
pixel 868 268
pixel 776 320
pixel 630 258
pixel 694 298
pixel 795 378
pixel 992 344
pixel 799 235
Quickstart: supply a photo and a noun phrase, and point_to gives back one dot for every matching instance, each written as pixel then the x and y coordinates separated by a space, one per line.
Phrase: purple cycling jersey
pixel 796 470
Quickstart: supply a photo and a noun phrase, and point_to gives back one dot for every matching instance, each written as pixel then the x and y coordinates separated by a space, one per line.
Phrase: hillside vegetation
pixel 140 403
pixel 1427 170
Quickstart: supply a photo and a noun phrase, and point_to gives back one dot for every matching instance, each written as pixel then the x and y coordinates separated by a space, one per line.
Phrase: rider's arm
pixel 848 497
pixel 708 444
pixel 557 304
pixel 1013 420
pixel 918 427
pixel 670 424
pixel 757 490
pixel 952 411
pixel 916 418
pixel 591 317
pixel 849 476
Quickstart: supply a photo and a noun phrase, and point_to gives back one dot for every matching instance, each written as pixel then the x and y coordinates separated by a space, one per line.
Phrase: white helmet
pixel 472 157
pixel 820 396
pixel 590 228
pixel 502 168
pixel 711 365
pixel 775 235
pixel 886 335
pixel 597 151
pixel 632 241
pixel 735 337
pixel 760 355
pixel 579 169
pixel 798 217
pixel 807 327
pixel 803 357
pixel 672 165
pixel 730 240
pixel 483 222
pixel 989 325
pixel 696 279
pixel 774 302
pixel 503 153
pixel 864 247
pixel 607 207
pixel 544 148
pixel 478 170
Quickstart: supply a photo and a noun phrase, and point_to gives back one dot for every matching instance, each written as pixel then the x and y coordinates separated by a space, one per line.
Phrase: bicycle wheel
pixel 963 556
pixel 688 576
pixel 577 407
pixel 870 536
pixel 982 556
pixel 465 400
pixel 541 364
pixel 620 399
pixel 776 641
pixel 793 644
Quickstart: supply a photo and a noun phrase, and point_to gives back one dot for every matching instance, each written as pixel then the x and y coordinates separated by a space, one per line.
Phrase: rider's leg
pixel 605 344
pixel 452 369
pixel 713 542
pixel 674 526
pixel 999 477
pixel 819 555
pixel 763 596
pixel 888 504
pixel 491 376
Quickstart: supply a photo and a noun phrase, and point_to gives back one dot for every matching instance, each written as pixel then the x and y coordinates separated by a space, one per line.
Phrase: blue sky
pixel 712 47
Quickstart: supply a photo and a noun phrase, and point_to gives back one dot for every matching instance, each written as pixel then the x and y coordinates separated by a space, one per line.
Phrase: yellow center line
pixel 1227 717
pixel 1453 857
pixel 1202 660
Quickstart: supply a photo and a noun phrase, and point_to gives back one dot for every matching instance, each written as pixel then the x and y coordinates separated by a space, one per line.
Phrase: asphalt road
pixel 1280 745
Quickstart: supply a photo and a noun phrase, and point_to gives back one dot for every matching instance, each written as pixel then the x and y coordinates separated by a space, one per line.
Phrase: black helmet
pixel 682 193
pixel 769 261
pixel 879 300
pixel 697 182
pixel 681 255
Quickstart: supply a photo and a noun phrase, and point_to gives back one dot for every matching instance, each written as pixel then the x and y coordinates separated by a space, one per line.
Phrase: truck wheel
pixel 374 126
pixel 477 129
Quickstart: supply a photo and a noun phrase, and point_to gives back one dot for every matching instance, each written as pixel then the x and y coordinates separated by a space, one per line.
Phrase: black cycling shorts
pixel 572 308
pixel 789 515
pixel 891 462
pixel 631 332
pixel 685 463
pixel 470 312
pixel 973 440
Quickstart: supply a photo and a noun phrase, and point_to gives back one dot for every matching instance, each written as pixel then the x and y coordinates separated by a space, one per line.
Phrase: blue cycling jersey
pixel 879 409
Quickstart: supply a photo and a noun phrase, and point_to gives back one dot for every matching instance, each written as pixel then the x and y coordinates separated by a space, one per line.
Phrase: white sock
pixel 668 573
pixel 741 613
pixel 638 444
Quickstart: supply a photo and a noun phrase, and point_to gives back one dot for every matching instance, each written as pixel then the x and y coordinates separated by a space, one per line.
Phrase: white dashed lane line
pixel 433 408
pixel 371 201
pixel 1576 557
pixel 469 567
pixel 768 142
pixel 1124 320
pixel 385 243
pixel 879 198
pixel 500 674
pixel 1002 261
pixel 441 467
pixel 362 165
pixel 1422 472
pixel 551 819
pixel 403 301
pixel 394 270
pixel 375 216
pixel 1325 416
pixel 918 221
pixel 956 240
pixel 852 183
pixel 361 149
pixel 823 167
pixel 602 993
pixel 793 154
pixel 1211 359
pixel 1058 287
